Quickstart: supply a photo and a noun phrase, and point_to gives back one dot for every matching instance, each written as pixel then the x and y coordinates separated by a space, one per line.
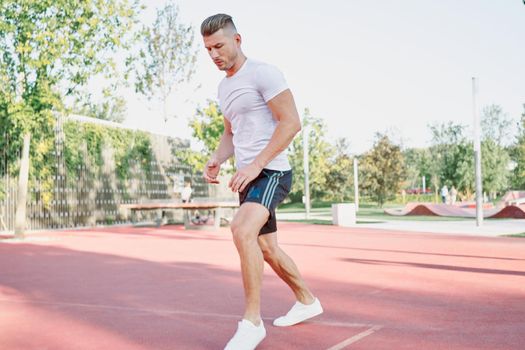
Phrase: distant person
pixel 444 194
pixel 186 192
pixel 177 186
pixel 453 194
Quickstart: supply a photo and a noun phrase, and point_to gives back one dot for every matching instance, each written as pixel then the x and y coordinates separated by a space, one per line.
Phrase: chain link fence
pixel 84 194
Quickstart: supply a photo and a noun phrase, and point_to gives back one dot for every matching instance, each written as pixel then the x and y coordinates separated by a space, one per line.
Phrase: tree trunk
pixel 23 178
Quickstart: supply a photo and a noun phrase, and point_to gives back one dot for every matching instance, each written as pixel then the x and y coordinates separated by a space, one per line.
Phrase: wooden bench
pixel 190 222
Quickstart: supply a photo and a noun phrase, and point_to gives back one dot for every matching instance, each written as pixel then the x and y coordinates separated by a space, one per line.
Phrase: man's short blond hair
pixel 216 22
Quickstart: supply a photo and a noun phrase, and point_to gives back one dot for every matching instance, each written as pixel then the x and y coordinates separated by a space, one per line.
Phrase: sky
pixel 364 66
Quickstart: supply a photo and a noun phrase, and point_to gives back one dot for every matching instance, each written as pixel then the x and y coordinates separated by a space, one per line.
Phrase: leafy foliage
pixel 446 153
pixel 49 50
pixel 86 143
pixel 495 124
pixel 418 163
pixel 452 155
pixel 382 169
pixel 168 58
pixel 518 156
pixel 340 177
pixel 208 126
pixel 112 107
pixel 320 152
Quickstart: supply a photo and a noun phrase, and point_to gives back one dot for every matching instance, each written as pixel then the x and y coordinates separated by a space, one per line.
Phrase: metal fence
pixel 84 197
pixel 8 188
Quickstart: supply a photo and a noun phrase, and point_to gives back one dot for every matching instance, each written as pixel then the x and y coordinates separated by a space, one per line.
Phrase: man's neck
pixel 236 66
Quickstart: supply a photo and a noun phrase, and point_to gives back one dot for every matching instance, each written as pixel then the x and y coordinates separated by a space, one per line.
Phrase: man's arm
pixel 223 152
pixel 225 149
pixel 284 111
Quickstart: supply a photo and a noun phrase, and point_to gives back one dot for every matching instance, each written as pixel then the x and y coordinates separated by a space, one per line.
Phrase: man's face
pixel 223 48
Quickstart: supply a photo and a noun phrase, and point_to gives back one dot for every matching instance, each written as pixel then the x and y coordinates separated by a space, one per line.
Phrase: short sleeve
pixel 270 81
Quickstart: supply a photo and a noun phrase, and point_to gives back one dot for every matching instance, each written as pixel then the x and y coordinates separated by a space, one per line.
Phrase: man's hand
pixel 243 177
pixel 211 170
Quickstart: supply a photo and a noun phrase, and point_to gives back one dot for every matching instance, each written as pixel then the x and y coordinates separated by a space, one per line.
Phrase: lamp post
pixel 477 155
pixel 306 167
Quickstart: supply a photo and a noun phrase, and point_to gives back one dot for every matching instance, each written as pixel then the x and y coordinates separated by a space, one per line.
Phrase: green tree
pixel 112 108
pixel 339 178
pixel 418 163
pixel 446 151
pixel 495 168
pixel 49 50
pixel 208 127
pixel 495 124
pixel 452 160
pixel 518 156
pixel 382 169
pixel 460 168
pixel 320 152
pixel 168 58
pixel 495 159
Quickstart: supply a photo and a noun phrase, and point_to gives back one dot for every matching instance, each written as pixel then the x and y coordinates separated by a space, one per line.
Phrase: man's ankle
pixel 306 299
pixel 255 319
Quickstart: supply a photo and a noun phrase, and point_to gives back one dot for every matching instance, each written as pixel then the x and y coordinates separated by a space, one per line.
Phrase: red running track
pixel 149 288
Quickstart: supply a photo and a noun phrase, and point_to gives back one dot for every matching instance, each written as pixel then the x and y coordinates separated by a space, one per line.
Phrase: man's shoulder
pixel 266 72
pixel 257 65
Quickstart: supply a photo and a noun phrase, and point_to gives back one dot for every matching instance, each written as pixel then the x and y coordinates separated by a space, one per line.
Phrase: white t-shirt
pixel 186 193
pixel 243 98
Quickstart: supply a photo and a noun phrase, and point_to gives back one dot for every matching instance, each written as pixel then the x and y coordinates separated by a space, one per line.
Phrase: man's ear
pixel 238 39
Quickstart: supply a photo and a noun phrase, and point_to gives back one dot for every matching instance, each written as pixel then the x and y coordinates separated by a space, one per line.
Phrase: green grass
pixel 328 222
pixel 379 214
pixel 312 221
pixel 368 211
pixel 521 235
pixel 299 207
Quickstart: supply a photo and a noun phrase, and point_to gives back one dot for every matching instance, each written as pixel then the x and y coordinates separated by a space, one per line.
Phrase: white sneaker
pixel 298 313
pixel 247 337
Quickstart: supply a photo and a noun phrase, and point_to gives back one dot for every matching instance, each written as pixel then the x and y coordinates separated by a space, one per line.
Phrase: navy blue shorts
pixel 269 189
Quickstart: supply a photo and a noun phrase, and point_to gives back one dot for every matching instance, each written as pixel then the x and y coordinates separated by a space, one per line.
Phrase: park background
pixel 388 84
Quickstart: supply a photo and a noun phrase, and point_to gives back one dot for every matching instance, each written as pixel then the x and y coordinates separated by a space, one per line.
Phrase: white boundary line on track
pixel 355 338
pixel 182 312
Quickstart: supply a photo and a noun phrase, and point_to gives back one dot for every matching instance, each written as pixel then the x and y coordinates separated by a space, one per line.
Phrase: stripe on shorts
pixel 268 185
pixel 270 189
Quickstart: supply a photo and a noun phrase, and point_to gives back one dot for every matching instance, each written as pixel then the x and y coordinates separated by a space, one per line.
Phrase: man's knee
pixel 242 232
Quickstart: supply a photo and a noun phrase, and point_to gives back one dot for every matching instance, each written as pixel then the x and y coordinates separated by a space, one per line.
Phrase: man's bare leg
pixel 284 267
pixel 307 306
pixel 245 229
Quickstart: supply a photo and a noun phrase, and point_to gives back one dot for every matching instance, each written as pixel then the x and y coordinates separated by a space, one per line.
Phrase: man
pixel 260 122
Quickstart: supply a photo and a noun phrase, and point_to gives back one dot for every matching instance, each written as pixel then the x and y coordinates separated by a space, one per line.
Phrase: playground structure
pixel 511 206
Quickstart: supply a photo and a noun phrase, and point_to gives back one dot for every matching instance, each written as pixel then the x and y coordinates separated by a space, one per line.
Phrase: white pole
pixel 356 186
pixel 424 180
pixel 306 166
pixel 477 155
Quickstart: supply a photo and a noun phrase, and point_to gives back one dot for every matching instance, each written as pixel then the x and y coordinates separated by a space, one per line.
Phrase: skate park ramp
pixel 511 211
pixel 513 197
pixel 514 211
